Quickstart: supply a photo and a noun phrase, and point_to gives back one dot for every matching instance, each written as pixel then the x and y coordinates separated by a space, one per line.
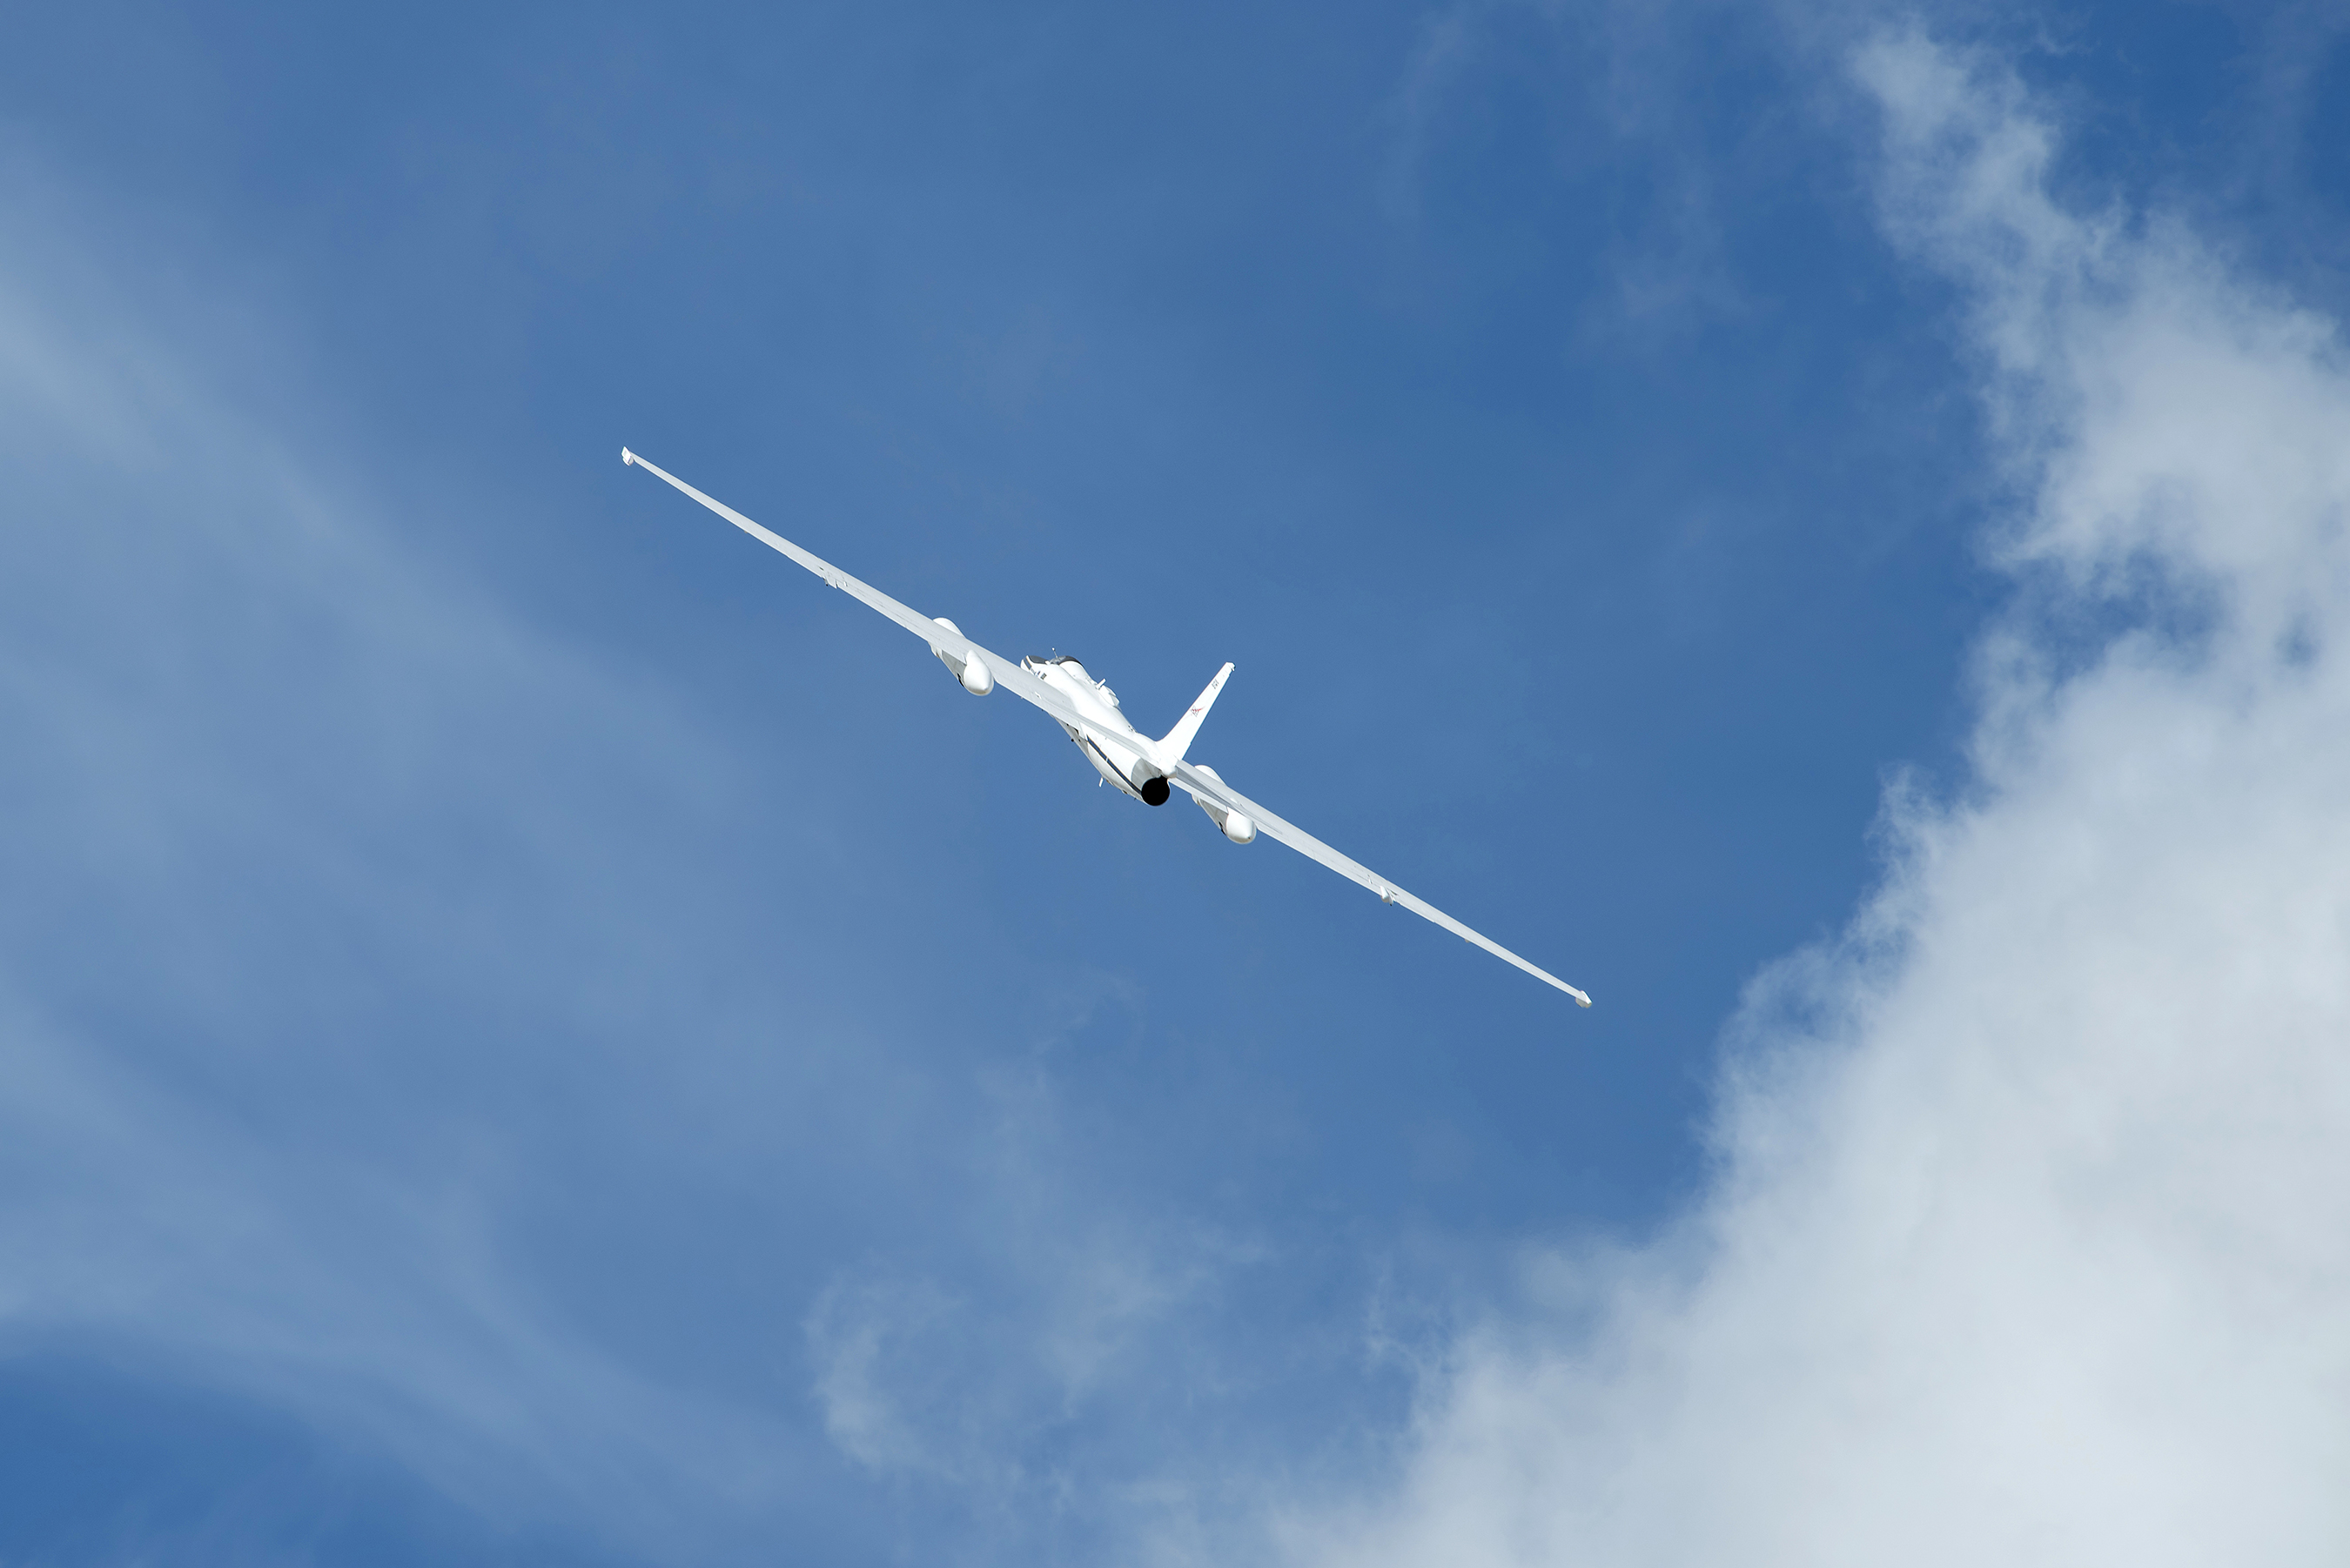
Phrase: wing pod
pixel 1234 826
pixel 973 672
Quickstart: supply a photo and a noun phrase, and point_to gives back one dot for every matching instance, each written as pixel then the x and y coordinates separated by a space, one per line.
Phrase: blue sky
pixel 529 1032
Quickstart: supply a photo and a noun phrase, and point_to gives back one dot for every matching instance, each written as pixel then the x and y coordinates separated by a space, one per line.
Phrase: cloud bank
pixel 2031 1236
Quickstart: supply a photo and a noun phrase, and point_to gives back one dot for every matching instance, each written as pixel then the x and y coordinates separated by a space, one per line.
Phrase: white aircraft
pixel 1088 710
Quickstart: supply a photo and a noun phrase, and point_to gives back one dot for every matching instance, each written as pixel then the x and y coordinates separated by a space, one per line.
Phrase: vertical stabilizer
pixel 1178 739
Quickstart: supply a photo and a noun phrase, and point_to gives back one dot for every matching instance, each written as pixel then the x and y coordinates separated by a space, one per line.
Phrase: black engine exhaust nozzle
pixel 1154 792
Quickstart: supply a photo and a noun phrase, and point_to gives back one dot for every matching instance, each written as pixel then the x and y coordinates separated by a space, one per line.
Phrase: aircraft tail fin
pixel 1178 739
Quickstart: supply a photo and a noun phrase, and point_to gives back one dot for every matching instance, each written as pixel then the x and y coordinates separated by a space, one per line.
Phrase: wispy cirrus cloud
pixel 407 1030
pixel 254 881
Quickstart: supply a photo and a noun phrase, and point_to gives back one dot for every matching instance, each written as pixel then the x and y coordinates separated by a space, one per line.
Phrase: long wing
pixel 1012 677
pixel 1007 672
pixel 1226 798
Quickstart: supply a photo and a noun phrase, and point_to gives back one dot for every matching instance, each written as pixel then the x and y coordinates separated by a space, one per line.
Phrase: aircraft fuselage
pixel 1128 767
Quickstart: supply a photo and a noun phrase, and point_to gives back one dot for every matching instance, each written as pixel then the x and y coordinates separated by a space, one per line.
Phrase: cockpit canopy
pixel 1078 670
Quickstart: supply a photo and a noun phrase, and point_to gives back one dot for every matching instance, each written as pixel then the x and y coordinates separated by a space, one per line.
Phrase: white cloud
pixel 957 1384
pixel 2031 1236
